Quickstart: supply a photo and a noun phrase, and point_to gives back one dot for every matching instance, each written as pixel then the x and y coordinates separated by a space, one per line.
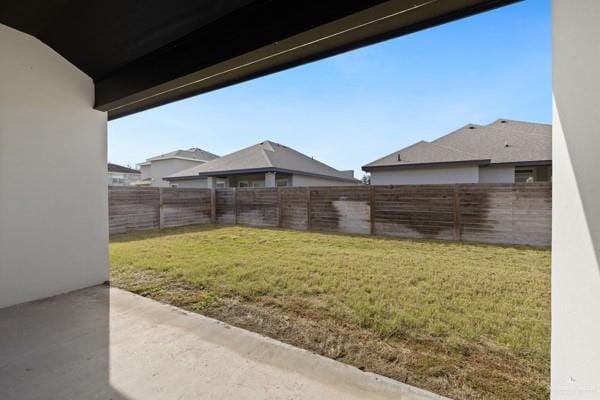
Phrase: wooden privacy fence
pixel 492 213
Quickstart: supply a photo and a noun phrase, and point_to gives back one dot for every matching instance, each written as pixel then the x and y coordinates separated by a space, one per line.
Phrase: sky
pixel 359 106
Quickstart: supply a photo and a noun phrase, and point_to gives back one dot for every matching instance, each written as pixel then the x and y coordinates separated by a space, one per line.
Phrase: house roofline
pixel 149 161
pixel 486 163
pixel 257 170
pixel 524 163
pixel 368 168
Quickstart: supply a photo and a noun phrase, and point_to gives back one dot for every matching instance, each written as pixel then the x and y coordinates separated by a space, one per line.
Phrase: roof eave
pixel 368 168
pixel 204 175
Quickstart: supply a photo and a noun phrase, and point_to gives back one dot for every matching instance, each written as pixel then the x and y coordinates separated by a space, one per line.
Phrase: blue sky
pixel 351 109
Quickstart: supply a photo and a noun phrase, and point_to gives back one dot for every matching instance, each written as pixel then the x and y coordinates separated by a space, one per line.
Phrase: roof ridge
pixel 467 126
pixel 522 132
pixel 264 153
pixel 179 152
pixel 398 151
pixel 310 158
pixel 516 120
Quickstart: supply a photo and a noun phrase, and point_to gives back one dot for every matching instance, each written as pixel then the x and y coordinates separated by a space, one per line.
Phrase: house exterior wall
pixel 128 178
pixel 575 372
pixel 191 183
pixel 497 174
pixel 161 168
pixel 258 180
pixel 426 176
pixel 293 180
pixel 54 229
pixel 145 171
pixel 303 180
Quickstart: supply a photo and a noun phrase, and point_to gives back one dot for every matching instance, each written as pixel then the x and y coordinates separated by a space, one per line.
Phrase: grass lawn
pixel 463 320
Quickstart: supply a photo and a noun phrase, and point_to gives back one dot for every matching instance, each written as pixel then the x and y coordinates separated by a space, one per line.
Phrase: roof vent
pixel 506 145
pixel 399 158
pixel 471 127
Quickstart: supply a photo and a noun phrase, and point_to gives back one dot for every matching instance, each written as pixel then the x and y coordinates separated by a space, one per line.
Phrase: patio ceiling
pixel 141 54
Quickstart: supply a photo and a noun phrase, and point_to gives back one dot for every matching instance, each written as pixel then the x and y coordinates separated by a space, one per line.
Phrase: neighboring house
pixel 266 164
pixel 502 152
pixel 119 175
pixel 154 169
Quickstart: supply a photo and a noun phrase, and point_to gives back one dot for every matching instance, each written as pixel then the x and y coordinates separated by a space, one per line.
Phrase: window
pixel 524 174
pixel 118 179
pixel 254 184
pixel 281 182
pixel 220 184
pixel 533 173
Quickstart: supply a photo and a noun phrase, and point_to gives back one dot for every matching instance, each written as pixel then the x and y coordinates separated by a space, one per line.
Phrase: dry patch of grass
pixel 463 320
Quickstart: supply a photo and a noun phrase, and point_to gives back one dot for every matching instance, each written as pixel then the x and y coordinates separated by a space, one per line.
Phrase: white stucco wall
pixel 53 192
pixel 576 199
pixel 426 176
pixel 303 180
pixel 145 171
pixel 497 174
pixel 162 168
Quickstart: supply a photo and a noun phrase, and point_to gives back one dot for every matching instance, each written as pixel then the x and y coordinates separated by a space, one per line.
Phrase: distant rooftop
pixel 503 141
pixel 264 156
pixel 192 154
pixel 119 168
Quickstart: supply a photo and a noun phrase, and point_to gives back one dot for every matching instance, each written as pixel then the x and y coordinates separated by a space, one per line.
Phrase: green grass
pixel 472 320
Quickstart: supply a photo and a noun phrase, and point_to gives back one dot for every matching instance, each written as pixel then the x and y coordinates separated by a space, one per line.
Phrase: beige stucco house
pixel 504 151
pixel 154 169
pixel 266 164
pixel 119 175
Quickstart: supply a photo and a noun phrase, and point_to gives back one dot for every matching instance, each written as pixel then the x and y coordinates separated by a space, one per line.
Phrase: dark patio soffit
pixel 142 54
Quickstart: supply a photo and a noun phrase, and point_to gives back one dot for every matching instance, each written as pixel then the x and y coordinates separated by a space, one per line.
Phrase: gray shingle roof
pixel 194 152
pixel 503 141
pixel 266 155
pixel 119 168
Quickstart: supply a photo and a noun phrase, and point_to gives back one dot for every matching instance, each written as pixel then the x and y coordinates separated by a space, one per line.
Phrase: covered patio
pixel 105 343
pixel 68 67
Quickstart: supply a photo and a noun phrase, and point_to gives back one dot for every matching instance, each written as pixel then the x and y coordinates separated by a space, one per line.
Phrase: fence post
pixel 213 206
pixel 160 208
pixel 234 206
pixel 371 210
pixel 456 208
pixel 279 208
pixel 308 221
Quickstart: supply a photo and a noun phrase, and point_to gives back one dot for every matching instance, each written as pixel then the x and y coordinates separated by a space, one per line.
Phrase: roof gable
pixel 263 156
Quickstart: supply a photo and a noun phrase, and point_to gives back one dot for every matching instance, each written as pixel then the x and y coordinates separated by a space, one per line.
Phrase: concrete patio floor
pixel 105 343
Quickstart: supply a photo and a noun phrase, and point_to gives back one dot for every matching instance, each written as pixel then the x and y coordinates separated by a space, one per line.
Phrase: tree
pixel 366 179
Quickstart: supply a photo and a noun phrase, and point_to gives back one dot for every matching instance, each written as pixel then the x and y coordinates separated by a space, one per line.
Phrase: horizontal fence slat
pixel 490 213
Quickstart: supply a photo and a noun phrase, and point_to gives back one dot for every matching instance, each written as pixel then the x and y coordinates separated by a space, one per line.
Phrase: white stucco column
pixel 270 179
pixel 53 189
pixel 211 182
pixel 576 201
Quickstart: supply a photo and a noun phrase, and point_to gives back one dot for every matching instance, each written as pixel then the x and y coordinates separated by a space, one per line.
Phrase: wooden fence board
pixel 225 209
pixel 490 213
pixel 180 207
